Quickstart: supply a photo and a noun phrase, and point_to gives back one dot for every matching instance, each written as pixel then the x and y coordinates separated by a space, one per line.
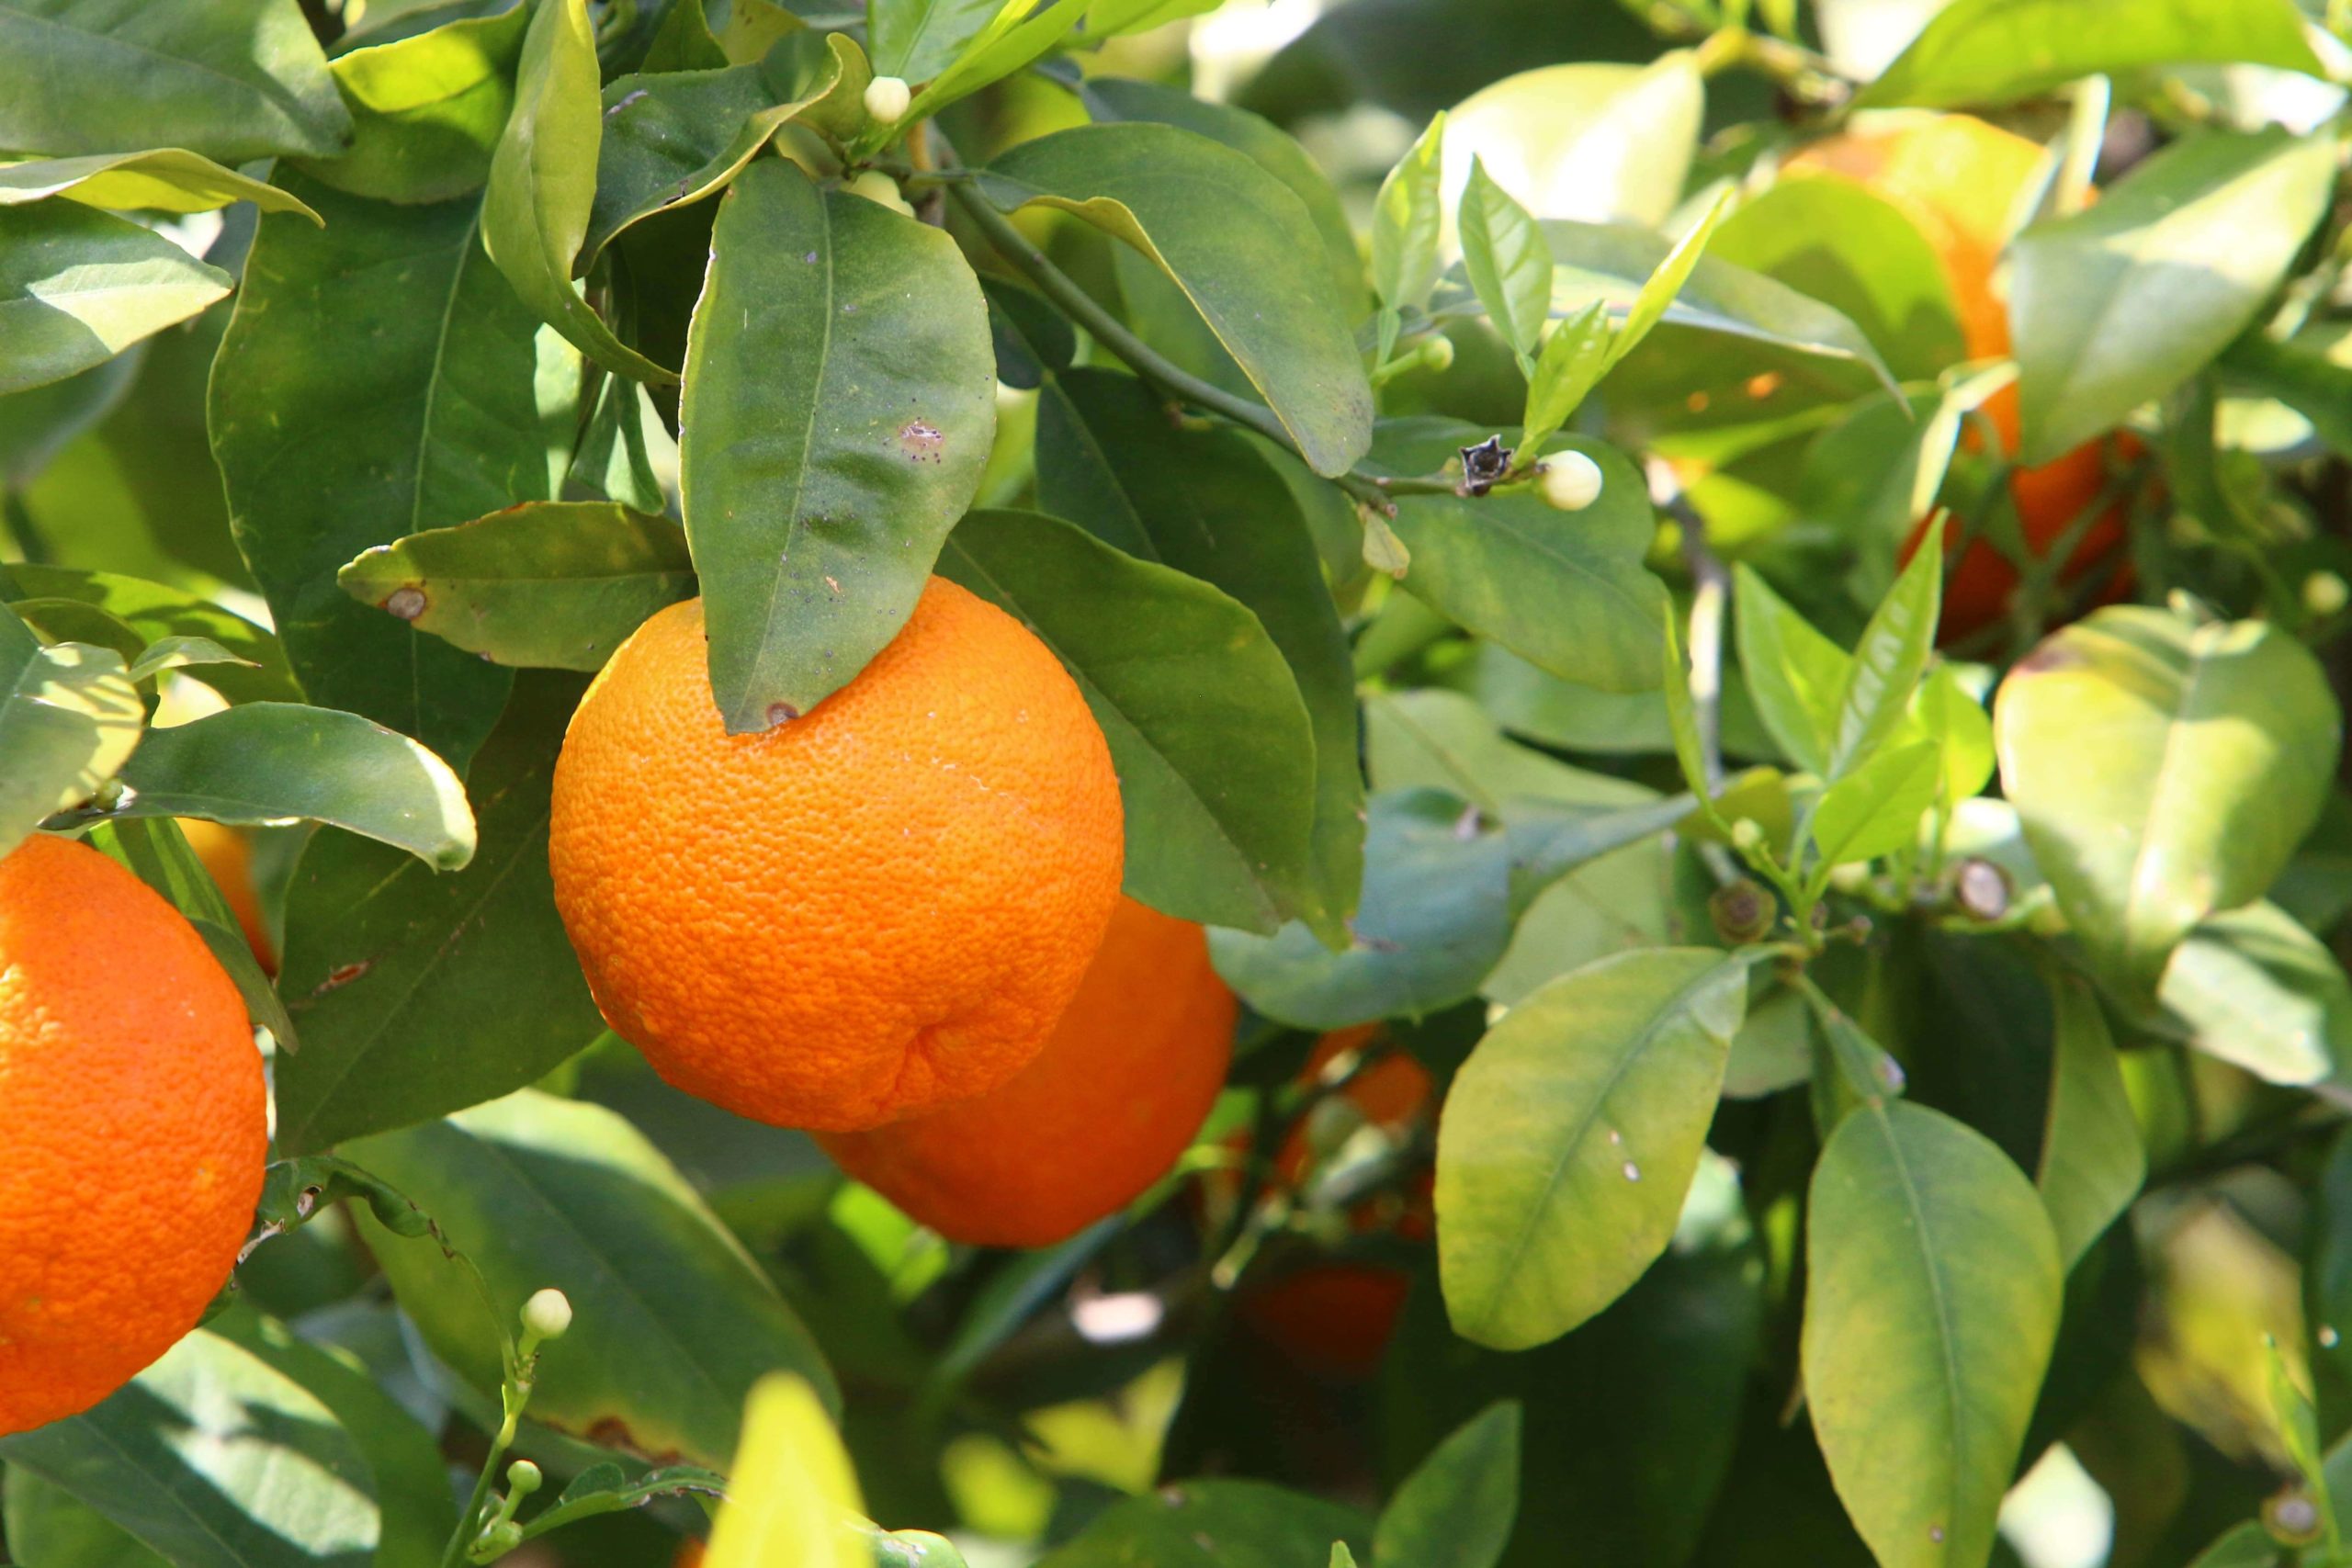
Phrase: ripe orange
pixel 1387 1092
pixel 136 1129
pixel 228 855
pixel 862 913
pixel 1962 182
pixel 1333 1319
pixel 1131 1070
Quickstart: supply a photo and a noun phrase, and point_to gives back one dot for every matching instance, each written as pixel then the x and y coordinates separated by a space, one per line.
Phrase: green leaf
pixel 1611 264
pixel 673 1321
pixel 181 653
pixel 1574 359
pixel 2247 1546
pixel 214 1459
pixel 1589 139
pixel 1956 719
pixel 427 110
pixel 69 718
pixel 1456 1509
pixel 1033 339
pixel 265 764
pixel 231 79
pixel 2311 373
pixel 916 39
pixel 542 185
pixel 1857 254
pixel 1212 505
pixel 1934 1285
pixel 2256 989
pixel 1875 808
pixel 1978 51
pixel 1018 37
pixel 486 421
pixel 2163 770
pixel 838 415
pixel 1273 149
pixel 2092 1160
pixel 163 179
pixel 1566 590
pixel 412 1481
pixel 1796 675
pixel 155 611
pixel 1407 222
pixel 1666 281
pixel 159 853
pixel 1889 659
pixel 2123 303
pixel 556 584
pixel 1507 260
pixel 47 1524
pixel 1214 1523
pixel 419 993
pixel 1247 256
pixel 1568 1140
pixel 77 286
pixel 671 141
pixel 1434 917
pixel 1215 750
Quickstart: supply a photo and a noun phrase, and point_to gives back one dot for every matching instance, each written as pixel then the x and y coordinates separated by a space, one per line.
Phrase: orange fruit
pixel 228 856
pixel 136 1129
pixel 1964 184
pixel 857 915
pixel 1117 1093
pixel 1387 1092
pixel 1331 1319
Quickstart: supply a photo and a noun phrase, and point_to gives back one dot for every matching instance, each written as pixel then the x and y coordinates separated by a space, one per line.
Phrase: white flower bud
pixel 887 98
pixel 546 1315
pixel 1570 481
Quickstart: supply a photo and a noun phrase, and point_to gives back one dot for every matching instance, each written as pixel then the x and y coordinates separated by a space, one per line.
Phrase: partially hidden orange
pixel 1127 1079
pixel 858 915
pixel 1964 184
pixel 136 1129
pixel 228 855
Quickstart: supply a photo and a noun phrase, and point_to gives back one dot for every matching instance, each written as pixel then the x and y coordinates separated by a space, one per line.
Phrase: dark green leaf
pixel 1456 1510
pixel 427 110
pixel 1568 1140
pixel 1273 149
pixel 2163 770
pixel 2311 373
pixel 542 184
pixel 265 764
pixel 1215 1524
pixel 1434 917
pixel 485 421
pixel 556 584
pixel 1564 590
pixel 77 286
pixel 1209 503
pixel 231 79
pixel 418 993
pixel 69 718
pixel 2092 1161
pixel 1033 339
pixel 2123 303
pixel 916 39
pixel 1240 245
pixel 1932 1301
pixel 838 415
pixel 672 1323
pixel 1214 751
pixel 216 1459
pixel 47 1524
pixel 1998 50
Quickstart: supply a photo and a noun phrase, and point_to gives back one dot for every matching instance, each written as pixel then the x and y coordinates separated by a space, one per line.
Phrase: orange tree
pixel 1404 782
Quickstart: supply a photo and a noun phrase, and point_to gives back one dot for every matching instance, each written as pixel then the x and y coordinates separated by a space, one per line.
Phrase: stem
pixel 514 1394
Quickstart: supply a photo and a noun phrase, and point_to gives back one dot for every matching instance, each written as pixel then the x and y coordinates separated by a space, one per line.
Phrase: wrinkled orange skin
pixel 228 856
pixel 135 1126
pixel 1116 1096
pixel 864 913
pixel 1961 181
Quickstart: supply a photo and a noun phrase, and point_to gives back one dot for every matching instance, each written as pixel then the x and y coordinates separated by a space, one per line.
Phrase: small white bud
pixel 1570 481
pixel 1437 353
pixel 887 98
pixel 548 1313
pixel 2325 594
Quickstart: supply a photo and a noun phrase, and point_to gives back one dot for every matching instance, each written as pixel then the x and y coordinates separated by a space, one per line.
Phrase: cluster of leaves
pixel 1820 1078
